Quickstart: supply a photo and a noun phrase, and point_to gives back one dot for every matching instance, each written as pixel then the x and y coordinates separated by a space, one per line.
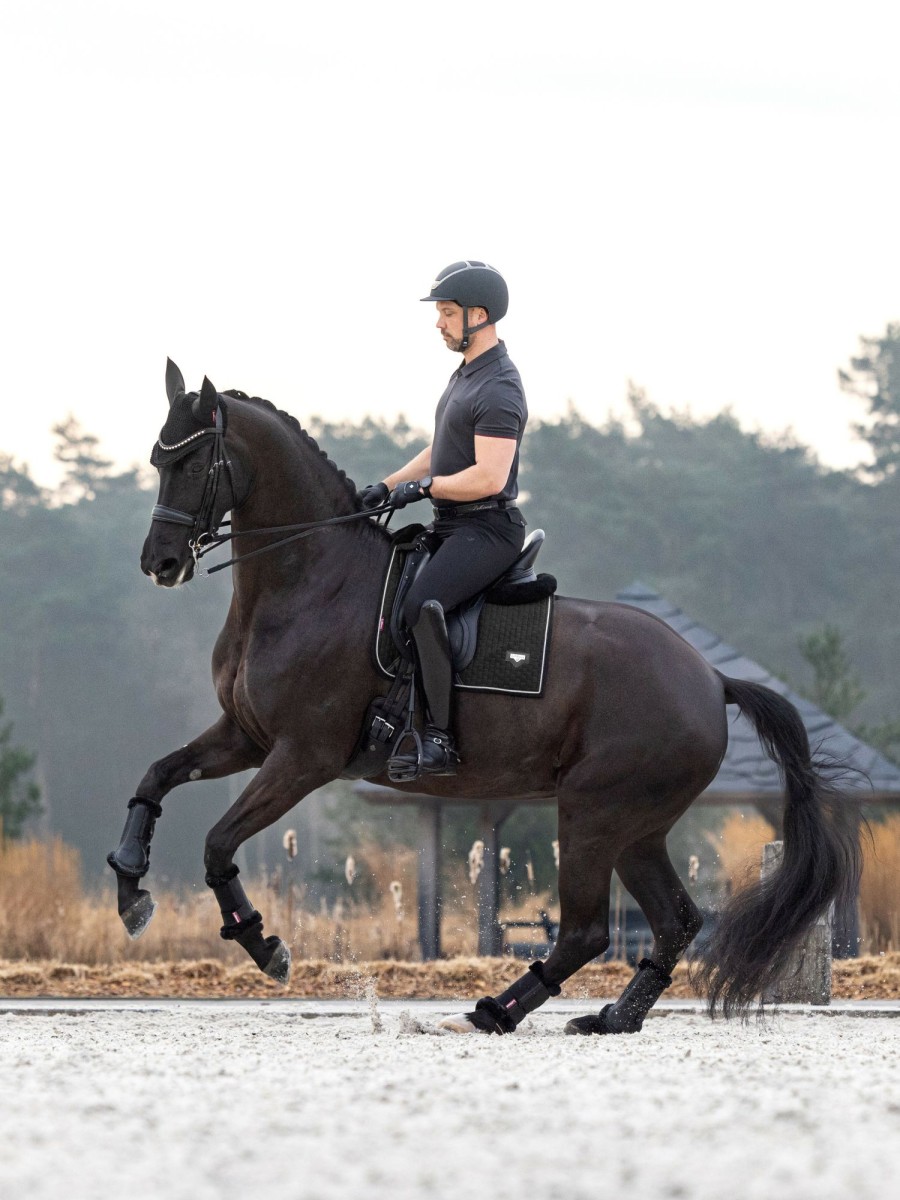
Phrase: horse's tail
pixel 751 946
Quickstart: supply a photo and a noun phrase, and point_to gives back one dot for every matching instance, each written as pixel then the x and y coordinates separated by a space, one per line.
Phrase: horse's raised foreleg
pixel 222 750
pixel 585 871
pixel 647 872
pixel 275 789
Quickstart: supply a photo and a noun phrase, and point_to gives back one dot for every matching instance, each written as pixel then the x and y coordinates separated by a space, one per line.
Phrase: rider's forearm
pixel 414 469
pixel 474 483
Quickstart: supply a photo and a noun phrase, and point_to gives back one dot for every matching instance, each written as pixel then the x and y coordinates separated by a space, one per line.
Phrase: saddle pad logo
pixel 517 657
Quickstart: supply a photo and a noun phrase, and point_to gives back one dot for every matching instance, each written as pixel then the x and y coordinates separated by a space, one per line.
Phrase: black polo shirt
pixel 485 397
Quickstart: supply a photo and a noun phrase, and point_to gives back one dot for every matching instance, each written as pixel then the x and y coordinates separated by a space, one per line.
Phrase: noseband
pixel 202 524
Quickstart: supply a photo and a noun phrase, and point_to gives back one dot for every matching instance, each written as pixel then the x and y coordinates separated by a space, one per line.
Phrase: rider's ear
pixel 204 407
pixel 174 382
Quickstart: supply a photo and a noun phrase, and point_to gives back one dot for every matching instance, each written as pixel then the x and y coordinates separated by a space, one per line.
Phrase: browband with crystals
pixel 177 445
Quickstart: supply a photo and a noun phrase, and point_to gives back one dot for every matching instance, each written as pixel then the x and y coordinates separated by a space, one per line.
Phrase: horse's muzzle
pixel 169 572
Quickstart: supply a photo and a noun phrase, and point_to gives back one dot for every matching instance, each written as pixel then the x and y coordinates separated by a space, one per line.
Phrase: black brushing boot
pixel 435 752
pixel 628 1012
pixel 504 1013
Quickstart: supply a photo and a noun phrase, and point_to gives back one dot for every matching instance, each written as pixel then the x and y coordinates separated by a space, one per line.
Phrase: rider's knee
pixel 412 609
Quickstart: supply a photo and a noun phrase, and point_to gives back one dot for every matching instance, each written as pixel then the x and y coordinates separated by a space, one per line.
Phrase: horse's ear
pixel 174 382
pixel 204 407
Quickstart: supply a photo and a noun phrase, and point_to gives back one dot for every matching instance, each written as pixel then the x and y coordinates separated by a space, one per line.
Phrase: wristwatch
pixel 425 485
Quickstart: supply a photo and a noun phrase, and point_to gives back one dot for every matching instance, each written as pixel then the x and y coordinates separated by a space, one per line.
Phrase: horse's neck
pixel 293 484
pixel 293 488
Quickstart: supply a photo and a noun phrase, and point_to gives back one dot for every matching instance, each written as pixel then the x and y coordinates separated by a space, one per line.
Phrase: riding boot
pixel 435 753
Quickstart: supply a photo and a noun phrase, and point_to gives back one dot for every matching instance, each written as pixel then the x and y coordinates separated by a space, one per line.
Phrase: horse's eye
pixel 196 468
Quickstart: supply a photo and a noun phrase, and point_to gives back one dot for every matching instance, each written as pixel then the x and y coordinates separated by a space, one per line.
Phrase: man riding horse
pixel 469 472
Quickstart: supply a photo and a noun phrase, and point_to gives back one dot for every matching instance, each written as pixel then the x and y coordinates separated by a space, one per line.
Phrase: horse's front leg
pixel 222 750
pixel 282 783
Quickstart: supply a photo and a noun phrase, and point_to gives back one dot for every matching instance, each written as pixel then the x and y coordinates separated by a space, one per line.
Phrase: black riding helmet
pixel 472 284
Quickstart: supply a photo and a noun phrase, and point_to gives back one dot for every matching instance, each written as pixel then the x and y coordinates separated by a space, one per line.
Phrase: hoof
pixel 459 1023
pixel 591 1024
pixel 585 1025
pixel 279 965
pixel 138 916
pixel 600 1024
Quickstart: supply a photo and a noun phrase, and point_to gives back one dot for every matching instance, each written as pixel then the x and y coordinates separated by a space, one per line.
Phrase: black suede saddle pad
pixel 511 650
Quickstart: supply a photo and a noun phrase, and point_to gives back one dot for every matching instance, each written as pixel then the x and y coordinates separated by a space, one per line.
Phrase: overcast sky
pixel 700 197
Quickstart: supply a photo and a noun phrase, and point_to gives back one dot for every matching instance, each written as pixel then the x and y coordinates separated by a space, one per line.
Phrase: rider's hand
pixel 407 493
pixel 373 495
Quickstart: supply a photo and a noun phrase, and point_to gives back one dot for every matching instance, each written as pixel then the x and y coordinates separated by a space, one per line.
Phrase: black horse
pixel 629 731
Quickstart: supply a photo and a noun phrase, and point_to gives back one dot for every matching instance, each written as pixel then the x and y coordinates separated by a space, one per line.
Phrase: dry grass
pixel 47 916
pixel 465 979
pixel 739 846
pixel 879 893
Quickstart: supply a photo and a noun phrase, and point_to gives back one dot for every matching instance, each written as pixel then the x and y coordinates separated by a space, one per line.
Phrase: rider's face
pixel 450 324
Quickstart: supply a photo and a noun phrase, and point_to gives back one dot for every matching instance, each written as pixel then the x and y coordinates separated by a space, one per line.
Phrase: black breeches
pixel 473 551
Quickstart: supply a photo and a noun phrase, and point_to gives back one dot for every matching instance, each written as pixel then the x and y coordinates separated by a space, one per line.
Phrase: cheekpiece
pixel 184 430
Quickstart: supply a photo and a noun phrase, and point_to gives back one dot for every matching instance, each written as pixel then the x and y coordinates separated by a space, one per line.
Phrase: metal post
pixel 429 879
pixel 808 979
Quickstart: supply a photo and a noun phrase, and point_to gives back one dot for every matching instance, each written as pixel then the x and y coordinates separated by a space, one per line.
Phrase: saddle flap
pixel 462 629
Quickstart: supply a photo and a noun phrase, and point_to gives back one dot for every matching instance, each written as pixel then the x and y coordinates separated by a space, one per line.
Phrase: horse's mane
pixel 286 417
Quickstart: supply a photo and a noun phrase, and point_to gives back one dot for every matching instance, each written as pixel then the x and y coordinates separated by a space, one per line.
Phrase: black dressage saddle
pixel 519 585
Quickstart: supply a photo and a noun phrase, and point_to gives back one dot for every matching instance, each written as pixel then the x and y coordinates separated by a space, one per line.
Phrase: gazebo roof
pixel 747 772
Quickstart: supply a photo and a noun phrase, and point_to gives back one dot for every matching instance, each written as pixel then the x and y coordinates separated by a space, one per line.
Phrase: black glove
pixel 407 493
pixel 373 495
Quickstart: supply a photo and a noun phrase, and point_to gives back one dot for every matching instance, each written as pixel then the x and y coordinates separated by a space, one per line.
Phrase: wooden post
pixel 808 979
pixel 490 933
pixel 429 879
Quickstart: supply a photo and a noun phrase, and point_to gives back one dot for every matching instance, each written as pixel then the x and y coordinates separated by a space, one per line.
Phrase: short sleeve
pixel 499 409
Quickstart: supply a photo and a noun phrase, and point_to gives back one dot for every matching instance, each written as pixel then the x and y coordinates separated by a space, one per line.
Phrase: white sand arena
pixel 199 1102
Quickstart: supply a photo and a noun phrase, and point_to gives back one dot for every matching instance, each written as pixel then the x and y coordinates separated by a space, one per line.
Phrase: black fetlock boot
pixel 243 924
pixel 131 862
pixel 628 1012
pixel 504 1013
pixel 435 752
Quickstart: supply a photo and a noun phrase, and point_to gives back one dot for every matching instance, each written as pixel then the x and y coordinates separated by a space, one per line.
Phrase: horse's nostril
pixel 167 569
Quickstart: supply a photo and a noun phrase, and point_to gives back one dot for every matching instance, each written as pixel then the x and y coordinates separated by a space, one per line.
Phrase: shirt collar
pixel 489 356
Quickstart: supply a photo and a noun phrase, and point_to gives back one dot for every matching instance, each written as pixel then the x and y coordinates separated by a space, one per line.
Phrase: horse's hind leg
pixel 647 872
pixel 223 749
pixel 586 854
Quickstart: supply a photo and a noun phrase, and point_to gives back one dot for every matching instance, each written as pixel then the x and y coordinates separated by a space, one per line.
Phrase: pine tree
pixel 874 378
pixel 19 798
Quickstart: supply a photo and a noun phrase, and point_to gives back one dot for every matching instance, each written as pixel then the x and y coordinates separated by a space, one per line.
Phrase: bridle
pixel 205 535
pixel 202 523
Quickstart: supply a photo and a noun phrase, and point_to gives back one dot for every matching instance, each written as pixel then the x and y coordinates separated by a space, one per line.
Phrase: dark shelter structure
pixel 747 776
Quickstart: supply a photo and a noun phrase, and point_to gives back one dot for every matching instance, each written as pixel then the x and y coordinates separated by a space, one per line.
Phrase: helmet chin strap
pixel 467 328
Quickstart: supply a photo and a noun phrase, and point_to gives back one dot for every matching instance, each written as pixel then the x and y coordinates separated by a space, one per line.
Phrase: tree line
pixel 101 673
